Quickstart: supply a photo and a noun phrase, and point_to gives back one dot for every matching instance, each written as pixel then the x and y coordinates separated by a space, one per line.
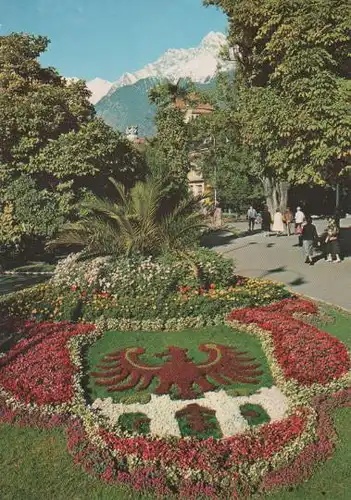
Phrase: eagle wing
pixel 121 370
pixel 227 364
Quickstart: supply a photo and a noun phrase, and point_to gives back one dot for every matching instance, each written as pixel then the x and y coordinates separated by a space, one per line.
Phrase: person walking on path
pixel 332 241
pixel 266 221
pixel 299 220
pixel 251 216
pixel 278 226
pixel 287 219
pixel 309 238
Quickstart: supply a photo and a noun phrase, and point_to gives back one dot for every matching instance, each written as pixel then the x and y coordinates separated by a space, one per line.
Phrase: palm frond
pixel 136 221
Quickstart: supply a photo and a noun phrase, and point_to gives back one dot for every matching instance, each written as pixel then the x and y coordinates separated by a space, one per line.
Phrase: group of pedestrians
pixel 308 238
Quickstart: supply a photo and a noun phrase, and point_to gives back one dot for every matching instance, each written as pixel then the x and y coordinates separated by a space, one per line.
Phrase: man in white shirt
pixel 251 216
pixel 299 220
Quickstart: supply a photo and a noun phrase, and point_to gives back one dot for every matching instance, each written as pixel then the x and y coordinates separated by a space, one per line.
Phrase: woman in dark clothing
pixel 266 221
pixel 309 238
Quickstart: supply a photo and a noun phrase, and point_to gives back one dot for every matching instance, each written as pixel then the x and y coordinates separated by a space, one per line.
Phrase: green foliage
pixel 168 153
pixel 36 212
pixel 165 94
pixel 89 156
pixel 135 275
pixel 36 105
pixel 141 289
pixel 295 96
pixel 134 422
pixel 254 414
pixel 49 136
pixel 150 278
pixel 9 230
pixel 218 151
pixel 212 268
pixel 138 220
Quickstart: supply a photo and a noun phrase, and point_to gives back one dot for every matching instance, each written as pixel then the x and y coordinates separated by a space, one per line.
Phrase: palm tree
pixel 137 221
pixel 166 94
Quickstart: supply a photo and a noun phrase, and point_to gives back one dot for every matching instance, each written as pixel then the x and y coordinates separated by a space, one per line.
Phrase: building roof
pixel 196 108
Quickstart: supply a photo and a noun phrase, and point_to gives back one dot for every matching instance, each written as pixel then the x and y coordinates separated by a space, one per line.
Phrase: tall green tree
pixel 87 158
pixel 167 93
pixel 50 138
pixel 36 104
pixel 168 154
pixel 225 162
pixel 292 60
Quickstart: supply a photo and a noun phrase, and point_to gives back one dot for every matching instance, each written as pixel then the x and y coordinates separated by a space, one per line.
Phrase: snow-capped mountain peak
pixel 200 64
pixel 214 39
pixel 125 79
pixel 99 88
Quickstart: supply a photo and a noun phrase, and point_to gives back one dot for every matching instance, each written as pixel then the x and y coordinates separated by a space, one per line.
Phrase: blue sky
pixel 105 38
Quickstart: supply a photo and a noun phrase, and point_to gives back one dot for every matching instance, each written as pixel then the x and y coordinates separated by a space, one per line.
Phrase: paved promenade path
pixel 281 259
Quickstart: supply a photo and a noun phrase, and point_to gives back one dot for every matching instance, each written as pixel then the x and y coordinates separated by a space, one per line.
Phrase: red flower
pixel 38 369
pixel 304 353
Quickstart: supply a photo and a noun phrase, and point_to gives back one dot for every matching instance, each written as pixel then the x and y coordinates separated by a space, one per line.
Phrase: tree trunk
pixel 276 193
pixel 283 195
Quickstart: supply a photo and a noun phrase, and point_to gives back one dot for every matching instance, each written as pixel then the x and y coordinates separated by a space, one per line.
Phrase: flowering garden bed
pixel 244 407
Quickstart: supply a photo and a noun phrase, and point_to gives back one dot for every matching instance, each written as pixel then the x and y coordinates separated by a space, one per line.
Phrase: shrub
pixel 138 275
pixel 137 288
pixel 212 268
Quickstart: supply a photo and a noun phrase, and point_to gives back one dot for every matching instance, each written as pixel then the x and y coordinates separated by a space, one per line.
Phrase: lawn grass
pixel 35 464
pixel 157 342
pixel 340 326
pixel 331 480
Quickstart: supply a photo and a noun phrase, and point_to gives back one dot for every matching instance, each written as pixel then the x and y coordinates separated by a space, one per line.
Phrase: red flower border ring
pixel 41 381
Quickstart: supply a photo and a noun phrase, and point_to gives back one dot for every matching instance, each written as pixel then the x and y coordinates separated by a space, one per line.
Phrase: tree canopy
pixel 168 154
pixel 292 62
pixel 51 140
pixel 225 162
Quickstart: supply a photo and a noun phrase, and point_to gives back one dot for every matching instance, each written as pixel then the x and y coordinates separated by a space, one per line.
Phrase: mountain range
pixel 125 102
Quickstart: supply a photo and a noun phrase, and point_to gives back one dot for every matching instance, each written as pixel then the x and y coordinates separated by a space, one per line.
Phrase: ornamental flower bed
pixel 38 369
pixel 142 289
pixel 48 302
pixel 304 353
pixel 41 383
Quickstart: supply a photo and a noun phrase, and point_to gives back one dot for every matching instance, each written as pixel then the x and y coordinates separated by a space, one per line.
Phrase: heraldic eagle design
pixel 122 370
